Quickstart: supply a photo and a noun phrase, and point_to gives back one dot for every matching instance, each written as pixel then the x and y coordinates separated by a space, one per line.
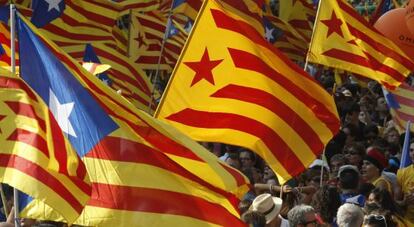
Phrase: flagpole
pixel 164 39
pixel 313 32
pixel 406 147
pixel 13 69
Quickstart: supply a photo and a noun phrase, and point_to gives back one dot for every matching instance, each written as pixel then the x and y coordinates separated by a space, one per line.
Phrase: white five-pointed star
pixel 61 112
pixel 105 81
pixel 53 4
pixel 269 34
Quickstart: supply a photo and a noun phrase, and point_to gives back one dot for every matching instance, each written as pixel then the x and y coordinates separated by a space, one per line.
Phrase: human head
pixel 302 216
pixel 247 158
pixel 233 160
pixel 267 205
pixel 336 162
pixel 355 152
pixel 326 202
pixel 349 215
pixel 373 164
pixel 383 199
pixel 392 136
pixel 348 176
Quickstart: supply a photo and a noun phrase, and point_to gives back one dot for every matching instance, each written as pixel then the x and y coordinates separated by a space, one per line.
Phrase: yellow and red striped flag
pixel 401 104
pixel 300 14
pixel 233 86
pixel 5 54
pixel 143 172
pixel 35 156
pixel 344 40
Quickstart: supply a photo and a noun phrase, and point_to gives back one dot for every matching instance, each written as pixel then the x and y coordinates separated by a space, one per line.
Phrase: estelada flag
pixel 345 40
pixel 232 86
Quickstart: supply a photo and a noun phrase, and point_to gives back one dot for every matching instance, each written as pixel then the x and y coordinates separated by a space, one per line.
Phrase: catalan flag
pixel 344 40
pixel 300 14
pixel 124 150
pixel 189 8
pixel 401 104
pixel 35 156
pixel 382 7
pixel 228 87
pixel 5 54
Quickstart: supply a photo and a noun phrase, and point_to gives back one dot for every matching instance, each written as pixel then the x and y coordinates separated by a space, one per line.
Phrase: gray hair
pixel 349 215
pixel 297 215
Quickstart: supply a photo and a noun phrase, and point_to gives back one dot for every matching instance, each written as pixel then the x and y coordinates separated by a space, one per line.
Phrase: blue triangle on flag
pixel 82 119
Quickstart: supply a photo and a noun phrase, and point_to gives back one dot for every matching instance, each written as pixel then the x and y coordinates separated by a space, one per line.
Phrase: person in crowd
pixel 371 134
pixel 354 154
pixel 392 136
pixel 233 160
pixel 381 114
pixel 404 194
pixel 336 162
pixel 302 216
pixel 373 165
pixel 377 217
pixel 269 206
pixel 326 202
pixel 269 177
pixel 247 158
pixel 349 215
pixel 349 180
pixel 351 118
pixel 380 199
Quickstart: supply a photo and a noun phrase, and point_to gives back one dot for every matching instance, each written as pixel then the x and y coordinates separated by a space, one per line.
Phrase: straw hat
pixel 267 205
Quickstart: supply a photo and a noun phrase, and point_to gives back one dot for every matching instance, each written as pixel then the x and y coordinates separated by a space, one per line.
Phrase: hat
pixel 347 93
pixel 376 158
pixel 347 168
pixel 267 205
pixel 318 163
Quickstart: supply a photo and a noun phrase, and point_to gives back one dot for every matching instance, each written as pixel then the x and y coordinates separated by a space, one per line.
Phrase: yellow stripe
pixel 96 216
pixel 37 189
pixel 119 173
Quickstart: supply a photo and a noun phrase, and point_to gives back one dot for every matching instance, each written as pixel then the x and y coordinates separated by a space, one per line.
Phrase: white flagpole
pixel 13 69
pixel 164 39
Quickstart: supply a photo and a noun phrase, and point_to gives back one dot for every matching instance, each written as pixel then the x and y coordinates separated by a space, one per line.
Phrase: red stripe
pixel 69 20
pixel 224 21
pixel 138 82
pixel 301 24
pixel 59 147
pixel 249 61
pixel 29 138
pixel 235 174
pixel 78 37
pixel 7 82
pixel 161 202
pixel 403 100
pixel 270 138
pixel 386 51
pixel 278 107
pixel 96 17
pixel 26 110
pixel 118 149
pixel 156 138
pixel 370 63
pixel 40 174
pixel 133 5
pixel 195 4
pixel 346 7
pixel 404 116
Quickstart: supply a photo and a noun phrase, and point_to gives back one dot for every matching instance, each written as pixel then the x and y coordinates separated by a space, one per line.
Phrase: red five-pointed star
pixel 334 25
pixel 140 40
pixel 203 68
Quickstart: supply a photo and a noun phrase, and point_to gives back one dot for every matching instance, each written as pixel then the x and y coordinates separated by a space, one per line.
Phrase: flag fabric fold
pixel 142 171
pixel 227 87
pixel 344 40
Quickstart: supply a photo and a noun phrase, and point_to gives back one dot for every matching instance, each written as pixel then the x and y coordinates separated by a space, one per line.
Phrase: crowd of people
pixel 360 184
